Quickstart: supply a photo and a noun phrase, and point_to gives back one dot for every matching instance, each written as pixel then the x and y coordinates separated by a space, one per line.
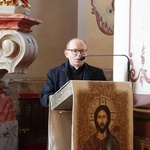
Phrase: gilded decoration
pixel 23 3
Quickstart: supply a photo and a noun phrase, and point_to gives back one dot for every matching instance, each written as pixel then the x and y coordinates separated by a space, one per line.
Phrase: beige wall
pixel 64 20
pixel 60 25
pixel 98 42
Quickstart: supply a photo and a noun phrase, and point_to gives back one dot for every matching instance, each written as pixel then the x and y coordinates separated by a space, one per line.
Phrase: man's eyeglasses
pixel 75 51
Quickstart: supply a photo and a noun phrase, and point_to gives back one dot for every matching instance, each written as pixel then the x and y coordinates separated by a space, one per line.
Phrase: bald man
pixel 73 69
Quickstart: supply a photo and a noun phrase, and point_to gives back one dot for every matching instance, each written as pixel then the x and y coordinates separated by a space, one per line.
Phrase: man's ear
pixel 66 53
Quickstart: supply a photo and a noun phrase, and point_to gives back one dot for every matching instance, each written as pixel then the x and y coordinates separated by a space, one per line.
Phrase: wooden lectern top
pixel 62 99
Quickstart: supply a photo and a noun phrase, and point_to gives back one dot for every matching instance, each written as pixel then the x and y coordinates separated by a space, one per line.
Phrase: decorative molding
pixel 18 49
pixel 141 73
pixel 104 16
pixel 19 22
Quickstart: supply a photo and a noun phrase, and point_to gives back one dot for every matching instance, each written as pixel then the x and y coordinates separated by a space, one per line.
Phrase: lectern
pixel 72 111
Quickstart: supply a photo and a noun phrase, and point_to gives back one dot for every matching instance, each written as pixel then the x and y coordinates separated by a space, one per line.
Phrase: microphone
pixel 128 60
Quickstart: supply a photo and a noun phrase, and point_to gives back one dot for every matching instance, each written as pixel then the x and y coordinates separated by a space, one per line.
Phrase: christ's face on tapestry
pixel 102 121
pixel 102 118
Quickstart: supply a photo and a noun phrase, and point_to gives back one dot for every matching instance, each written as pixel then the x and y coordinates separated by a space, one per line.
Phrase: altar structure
pixel 18 49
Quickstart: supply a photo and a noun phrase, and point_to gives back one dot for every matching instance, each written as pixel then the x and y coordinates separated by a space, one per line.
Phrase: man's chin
pixel 79 63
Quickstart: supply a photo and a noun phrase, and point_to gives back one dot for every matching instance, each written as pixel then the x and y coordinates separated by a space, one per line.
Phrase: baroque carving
pixel 18 48
pixel 23 3
pixel 17 51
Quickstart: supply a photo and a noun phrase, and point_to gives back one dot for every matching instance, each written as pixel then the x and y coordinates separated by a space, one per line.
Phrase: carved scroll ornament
pixel 17 51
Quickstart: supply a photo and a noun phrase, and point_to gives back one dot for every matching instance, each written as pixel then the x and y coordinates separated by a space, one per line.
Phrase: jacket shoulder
pixel 93 67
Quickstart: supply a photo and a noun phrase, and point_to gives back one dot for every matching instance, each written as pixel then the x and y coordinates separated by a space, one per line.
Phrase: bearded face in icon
pixel 102 119
pixel 102 138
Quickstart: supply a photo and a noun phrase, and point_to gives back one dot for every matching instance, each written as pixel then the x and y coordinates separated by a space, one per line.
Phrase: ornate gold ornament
pixel 23 3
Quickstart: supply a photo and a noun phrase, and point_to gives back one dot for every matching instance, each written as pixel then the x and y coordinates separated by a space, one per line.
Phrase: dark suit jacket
pixel 58 76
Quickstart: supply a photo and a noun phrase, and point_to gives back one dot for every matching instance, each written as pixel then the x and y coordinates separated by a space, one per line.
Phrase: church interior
pixel 33 37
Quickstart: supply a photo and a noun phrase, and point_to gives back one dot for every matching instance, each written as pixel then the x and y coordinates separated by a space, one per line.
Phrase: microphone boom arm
pixel 128 61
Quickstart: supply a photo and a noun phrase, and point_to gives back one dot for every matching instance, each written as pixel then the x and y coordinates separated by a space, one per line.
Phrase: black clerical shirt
pixel 76 74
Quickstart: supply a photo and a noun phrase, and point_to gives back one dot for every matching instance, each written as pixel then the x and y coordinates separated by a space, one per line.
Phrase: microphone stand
pixel 128 61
